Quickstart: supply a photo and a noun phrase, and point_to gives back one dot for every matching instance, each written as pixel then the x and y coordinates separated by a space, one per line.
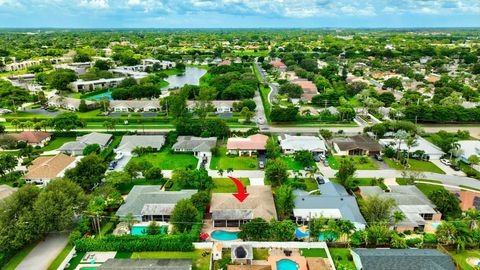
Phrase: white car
pixel 446 162
pixel 119 156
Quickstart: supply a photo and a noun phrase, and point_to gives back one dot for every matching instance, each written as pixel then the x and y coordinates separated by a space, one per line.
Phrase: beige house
pixel 34 138
pixel 227 211
pixel 44 169
pixel 247 146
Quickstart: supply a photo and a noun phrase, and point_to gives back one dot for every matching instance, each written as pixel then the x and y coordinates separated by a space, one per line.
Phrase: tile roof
pixel 254 142
pixel 260 204
pixel 468 200
pixel 48 167
pixel 31 136
pixel 404 259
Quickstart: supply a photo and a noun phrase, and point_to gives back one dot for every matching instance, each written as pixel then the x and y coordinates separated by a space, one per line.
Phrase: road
pixel 260 118
pixel 44 253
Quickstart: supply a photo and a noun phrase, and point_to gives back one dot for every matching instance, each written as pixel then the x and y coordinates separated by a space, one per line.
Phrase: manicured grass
pixel 260 254
pixel 123 255
pixel 199 262
pixel 75 261
pixel 368 182
pixel 361 163
pixel 314 252
pixel 427 188
pixel 18 258
pixel 169 161
pixel 56 263
pixel 57 143
pixel 292 164
pixel 172 71
pixel 125 188
pixel 468 170
pixel 226 185
pixel 461 258
pixel 341 256
pixel 233 161
pixel 414 165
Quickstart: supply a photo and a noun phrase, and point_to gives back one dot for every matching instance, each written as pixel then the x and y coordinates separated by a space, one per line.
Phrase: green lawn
pixel 361 163
pixel 169 161
pixel 56 143
pixel 461 258
pixel 292 164
pixel 415 165
pixel 232 161
pixel 363 182
pixel 199 262
pixel 314 252
pixel 226 185
pixel 341 256
pixel 75 261
pixel 56 263
pixel 425 188
pixel 260 254
pixel 18 258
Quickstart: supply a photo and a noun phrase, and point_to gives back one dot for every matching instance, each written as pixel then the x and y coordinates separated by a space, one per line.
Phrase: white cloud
pixel 94 4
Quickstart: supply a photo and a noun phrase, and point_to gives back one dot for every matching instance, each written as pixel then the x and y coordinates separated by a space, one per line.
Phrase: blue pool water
pixel 286 264
pixel 435 225
pixel 142 230
pixel 325 236
pixel 224 235
pixel 107 95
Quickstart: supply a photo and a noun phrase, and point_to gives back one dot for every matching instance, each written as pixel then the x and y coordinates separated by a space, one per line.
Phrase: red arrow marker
pixel 241 195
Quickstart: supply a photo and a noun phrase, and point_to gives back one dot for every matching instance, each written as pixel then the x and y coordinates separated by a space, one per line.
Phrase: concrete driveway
pixel 44 253
pixel 123 162
pixel 447 169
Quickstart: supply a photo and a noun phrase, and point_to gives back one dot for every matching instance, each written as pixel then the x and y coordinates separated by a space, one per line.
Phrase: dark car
pixel 316 158
pixel 455 167
pixel 378 157
pixel 112 165
pixel 320 180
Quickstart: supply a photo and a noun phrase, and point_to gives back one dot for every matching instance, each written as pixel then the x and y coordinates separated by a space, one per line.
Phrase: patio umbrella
pixel 204 236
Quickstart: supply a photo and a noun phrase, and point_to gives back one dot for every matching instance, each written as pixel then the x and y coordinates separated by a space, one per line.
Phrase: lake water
pixel 191 76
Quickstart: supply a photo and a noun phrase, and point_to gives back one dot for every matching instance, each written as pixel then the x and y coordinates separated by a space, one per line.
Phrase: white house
pixel 433 151
pixel 67 103
pixel 134 105
pixel 291 144
pixel 201 147
pixel 469 148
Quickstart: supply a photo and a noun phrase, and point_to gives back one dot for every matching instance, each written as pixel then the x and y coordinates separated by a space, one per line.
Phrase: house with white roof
pixel 291 144
pixel 130 142
pixel 76 147
pixel 433 151
pixel 469 148
pixel 71 104
pixel 134 105
pixel 200 147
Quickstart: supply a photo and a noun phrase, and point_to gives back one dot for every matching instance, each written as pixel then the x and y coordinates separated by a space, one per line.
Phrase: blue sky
pixel 239 13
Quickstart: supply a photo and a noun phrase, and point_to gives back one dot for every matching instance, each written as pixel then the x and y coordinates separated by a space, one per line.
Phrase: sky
pixel 239 13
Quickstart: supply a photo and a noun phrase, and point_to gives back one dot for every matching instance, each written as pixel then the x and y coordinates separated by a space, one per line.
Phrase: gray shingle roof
pixel 194 144
pixel 404 259
pixel 150 200
pixel 129 142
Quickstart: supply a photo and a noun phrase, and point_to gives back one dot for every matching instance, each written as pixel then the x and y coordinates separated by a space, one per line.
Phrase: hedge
pixel 129 243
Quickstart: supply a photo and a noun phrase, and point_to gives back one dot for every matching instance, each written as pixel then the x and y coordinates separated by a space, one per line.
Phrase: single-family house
pixel 72 104
pixel 253 144
pixel 277 65
pixel 130 142
pixel 291 144
pixel 334 202
pixel 220 106
pixel 76 147
pixel 428 148
pixel 146 264
pixel 201 147
pixel 34 138
pixel 401 259
pixel 227 211
pixel 134 105
pixel 151 203
pixel 469 148
pixel 309 89
pixel 358 145
pixel 46 168
pixel 419 211
pixel 468 200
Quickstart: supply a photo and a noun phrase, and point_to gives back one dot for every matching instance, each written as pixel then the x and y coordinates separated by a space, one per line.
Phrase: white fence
pixel 67 259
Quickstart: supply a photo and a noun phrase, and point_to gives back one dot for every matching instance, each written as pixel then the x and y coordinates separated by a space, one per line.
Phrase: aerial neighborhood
pixel 240 149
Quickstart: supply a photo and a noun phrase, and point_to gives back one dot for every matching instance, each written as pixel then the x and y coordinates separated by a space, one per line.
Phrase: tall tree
pixel 88 172
pixel 184 215
pixel 284 201
pixel 276 172
pixel 376 209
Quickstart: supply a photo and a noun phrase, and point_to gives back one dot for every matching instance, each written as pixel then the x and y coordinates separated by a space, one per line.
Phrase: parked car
pixel 455 167
pixel 378 157
pixel 322 156
pixel 316 158
pixel 446 161
pixel 320 180
pixel 119 156
pixel 261 164
pixel 112 165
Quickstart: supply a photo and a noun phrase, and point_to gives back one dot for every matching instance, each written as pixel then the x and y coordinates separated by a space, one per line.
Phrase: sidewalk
pixel 44 253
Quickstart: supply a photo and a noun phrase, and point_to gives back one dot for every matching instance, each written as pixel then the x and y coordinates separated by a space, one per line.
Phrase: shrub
pixel 129 243
pixel 430 238
pixel 414 242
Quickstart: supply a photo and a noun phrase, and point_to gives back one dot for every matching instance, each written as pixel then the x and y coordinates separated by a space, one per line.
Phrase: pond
pixel 191 76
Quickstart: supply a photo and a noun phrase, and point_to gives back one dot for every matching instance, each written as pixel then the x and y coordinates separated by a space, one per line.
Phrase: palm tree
pixel 15 123
pixel 220 172
pixel 397 217
pixel 400 136
pixel 410 142
pixel 454 146
pixel 129 220
pixel 472 216
pixel 229 170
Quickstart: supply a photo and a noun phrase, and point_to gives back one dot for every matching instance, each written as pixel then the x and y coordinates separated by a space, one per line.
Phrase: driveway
pixel 44 253
pixel 381 164
pixel 123 162
pixel 447 169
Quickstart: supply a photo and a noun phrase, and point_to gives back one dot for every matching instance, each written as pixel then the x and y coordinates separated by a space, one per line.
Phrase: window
pixel 428 216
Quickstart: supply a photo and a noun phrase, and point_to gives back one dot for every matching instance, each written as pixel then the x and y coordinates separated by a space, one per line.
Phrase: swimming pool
pixel 142 230
pixel 286 264
pixel 224 235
